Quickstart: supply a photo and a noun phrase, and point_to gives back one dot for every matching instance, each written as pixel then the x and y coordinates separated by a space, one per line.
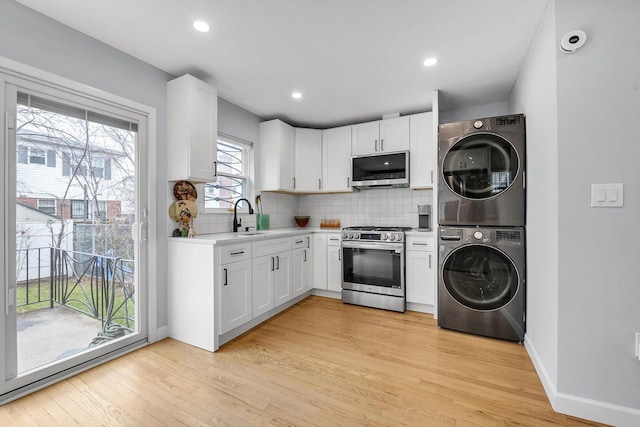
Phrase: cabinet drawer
pixel 237 252
pixel 271 246
pixel 333 239
pixel 301 242
pixel 424 243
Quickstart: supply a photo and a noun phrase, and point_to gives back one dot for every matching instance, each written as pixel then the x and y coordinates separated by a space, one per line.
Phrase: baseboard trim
pixel 162 333
pixel 581 407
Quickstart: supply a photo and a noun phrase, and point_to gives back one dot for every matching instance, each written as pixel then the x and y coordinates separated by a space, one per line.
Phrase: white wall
pixel 598 107
pixel 591 368
pixel 535 94
pixel 33 39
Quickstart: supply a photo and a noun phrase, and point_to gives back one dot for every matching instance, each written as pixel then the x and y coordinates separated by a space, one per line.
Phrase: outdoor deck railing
pixel 100 286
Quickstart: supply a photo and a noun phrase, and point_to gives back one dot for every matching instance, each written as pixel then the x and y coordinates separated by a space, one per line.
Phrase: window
pixel 47 206
pixel 37 155
pixel 233 179
pixel 78 209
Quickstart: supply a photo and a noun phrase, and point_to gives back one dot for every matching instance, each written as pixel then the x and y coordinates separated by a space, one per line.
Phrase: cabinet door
pixel 297 272
pixel 275 155
pixel 320 260
pixel 336 159
pixel 283 289
pixel 334 268
pixel 394 134
pixel 365 138
pixel 235 295
pixel 287 155
pixel 420 277
pixel 263 298
pixel 423 151
pixel 192 129
pixel 308 160
pixel 308 270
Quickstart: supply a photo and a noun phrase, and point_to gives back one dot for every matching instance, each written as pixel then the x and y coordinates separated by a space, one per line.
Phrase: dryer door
pixel 480 277
pixel 480 166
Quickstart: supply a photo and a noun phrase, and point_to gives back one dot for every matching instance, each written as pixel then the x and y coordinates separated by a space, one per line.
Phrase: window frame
pixel 249 163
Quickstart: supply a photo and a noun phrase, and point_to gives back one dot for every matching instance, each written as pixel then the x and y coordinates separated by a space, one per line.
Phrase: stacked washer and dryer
pixel 481 237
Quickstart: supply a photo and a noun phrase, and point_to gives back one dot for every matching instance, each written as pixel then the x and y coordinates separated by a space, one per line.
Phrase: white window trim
pixel 249 168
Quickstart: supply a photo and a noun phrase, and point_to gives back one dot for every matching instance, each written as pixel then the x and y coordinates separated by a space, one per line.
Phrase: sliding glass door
pixel 75 250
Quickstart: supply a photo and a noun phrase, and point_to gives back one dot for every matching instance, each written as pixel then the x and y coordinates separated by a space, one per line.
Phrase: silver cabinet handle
pixel 272 264
pixel 299 241
pixel 294 183
pixel 215 168
pixel 304 257
pixel 319 184
pixel 382 145
pixel 225 277
pixel 277 263
pixel 432 177
pixel 375 145
pixel 339 255
pixel 236 253
pixel 308 242
pixel 348 183
pixel 419 244
pixel 429 260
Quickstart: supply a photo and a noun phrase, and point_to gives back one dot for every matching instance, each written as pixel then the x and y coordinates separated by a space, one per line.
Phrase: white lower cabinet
pixel 420 269
pixel 271 274
pixel 302 261
pixel 263 298
pixel 334 263
pixel 320 261
pixel 282 278
pixel 236 292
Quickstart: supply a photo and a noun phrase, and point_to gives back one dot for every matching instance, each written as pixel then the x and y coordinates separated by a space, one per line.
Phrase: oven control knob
pixel 477 235
pixel 392 237
pixel 399 237
pixel 383 236
pixel 345 235
pixel 356 235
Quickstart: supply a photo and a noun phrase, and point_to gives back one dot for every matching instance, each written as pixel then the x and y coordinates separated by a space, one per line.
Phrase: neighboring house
pixel 34 236
pixel 46 181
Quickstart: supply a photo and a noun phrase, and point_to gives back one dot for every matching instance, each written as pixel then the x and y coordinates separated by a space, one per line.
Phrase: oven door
pixel 373 267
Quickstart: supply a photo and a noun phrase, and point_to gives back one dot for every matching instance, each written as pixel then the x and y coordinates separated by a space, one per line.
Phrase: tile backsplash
pixel 385 207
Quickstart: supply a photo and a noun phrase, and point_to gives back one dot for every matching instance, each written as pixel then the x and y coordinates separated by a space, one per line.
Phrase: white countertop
pixel 241 236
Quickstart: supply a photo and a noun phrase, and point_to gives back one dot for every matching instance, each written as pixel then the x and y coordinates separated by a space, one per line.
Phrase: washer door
pixel 480 277
pixel 480 166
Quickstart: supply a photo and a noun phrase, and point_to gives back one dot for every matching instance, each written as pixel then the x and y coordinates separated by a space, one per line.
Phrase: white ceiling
pixel 353 60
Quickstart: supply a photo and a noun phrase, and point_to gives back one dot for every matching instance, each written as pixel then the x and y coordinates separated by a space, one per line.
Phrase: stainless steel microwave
pixel 380 170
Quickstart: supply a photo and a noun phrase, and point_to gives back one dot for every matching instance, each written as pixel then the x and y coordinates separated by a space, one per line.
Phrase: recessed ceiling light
pixel 430 62
pixel 296 95
pixel 201 26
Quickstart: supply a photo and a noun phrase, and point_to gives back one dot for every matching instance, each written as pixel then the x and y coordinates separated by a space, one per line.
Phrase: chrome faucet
pixel 237 223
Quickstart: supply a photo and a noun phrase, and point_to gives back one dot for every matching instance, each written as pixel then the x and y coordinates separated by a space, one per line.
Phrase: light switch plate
pixel 607 195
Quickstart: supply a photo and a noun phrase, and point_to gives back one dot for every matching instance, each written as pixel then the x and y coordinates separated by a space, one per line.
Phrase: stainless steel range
pixel 373 267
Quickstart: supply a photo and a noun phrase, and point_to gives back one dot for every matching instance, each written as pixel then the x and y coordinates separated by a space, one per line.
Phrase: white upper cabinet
pixel 192 130
pixel 422 168
pixel 276 156
pixel 308 160
pixel 383 136
pixel 336 159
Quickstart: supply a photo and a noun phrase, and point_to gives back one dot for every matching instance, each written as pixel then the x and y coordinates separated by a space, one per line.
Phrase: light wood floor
pixel 318 363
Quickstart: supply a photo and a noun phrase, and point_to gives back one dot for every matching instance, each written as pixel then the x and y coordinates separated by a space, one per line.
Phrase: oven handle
pixel 398 247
